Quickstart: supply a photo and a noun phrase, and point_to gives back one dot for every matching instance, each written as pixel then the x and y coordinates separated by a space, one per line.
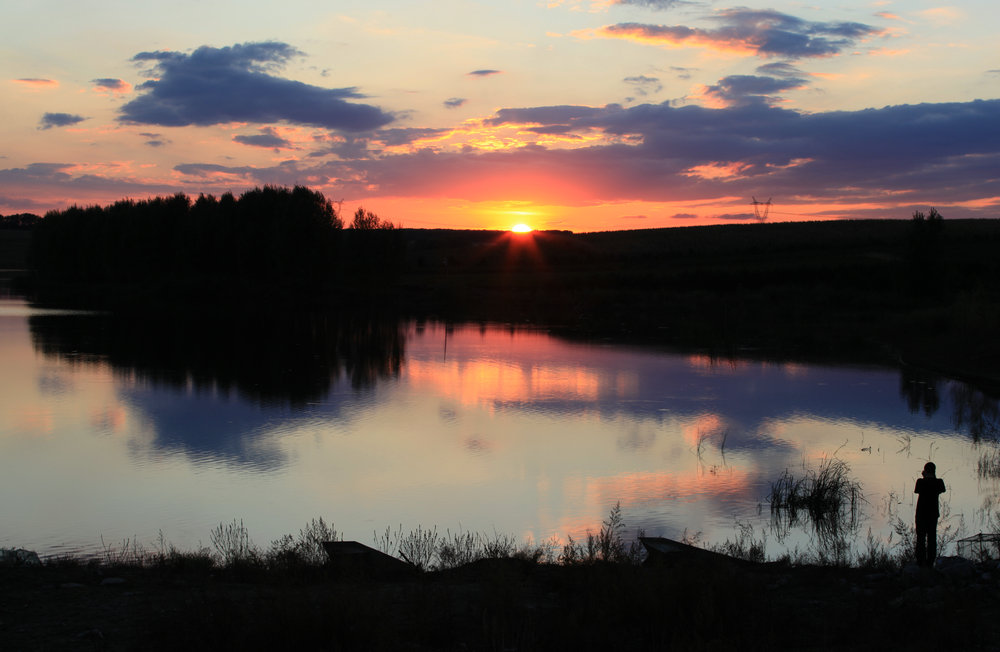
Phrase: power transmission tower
pixel 761 213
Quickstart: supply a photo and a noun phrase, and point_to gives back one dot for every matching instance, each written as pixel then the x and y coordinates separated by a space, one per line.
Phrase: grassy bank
pixel 484 593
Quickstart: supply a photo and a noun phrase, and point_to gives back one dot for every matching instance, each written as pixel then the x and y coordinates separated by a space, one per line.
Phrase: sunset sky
pixel 587 115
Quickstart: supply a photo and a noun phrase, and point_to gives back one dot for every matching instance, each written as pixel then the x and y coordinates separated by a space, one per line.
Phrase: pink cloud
pixel 111 86
pixel 36 84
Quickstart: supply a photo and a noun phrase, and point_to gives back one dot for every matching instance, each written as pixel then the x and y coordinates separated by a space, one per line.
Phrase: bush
pixel 233 545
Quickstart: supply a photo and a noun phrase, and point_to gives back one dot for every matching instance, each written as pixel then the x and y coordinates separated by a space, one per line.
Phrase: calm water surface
pixel 112 430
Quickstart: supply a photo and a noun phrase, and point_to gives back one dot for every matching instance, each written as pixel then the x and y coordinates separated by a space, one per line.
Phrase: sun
pixel 521 228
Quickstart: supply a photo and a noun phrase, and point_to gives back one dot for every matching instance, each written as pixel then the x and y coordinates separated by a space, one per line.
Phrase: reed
pixel 828 496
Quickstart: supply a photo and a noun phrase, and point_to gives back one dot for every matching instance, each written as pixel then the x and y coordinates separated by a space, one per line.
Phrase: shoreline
pixel 501 604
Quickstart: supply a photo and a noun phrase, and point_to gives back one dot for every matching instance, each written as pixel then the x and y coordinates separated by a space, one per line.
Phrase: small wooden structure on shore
pixel 353 558
pixel 661 551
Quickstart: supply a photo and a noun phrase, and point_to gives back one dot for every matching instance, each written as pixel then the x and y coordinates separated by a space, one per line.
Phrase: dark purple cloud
pixel 22 204
pixel 766 33
pixel 454 102
pixel 237 84
pixel 405 136
pixel 780 69
pixel 682 73
pixel 111 85
pixel 546 114
pixel 347 147
pixel 737 90
pixel 553 130
pixel 644 85
pixel 267 138
pixel 778 34
pixel 154 140
pixel 36 172
pixel 50 120
pixel 652 4
pixel 484 73
pixel 208 169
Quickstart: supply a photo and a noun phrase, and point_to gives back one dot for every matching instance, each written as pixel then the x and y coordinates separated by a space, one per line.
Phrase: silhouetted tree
pixel 369 221
pixel 372 251
pixel 19 221
pixel 272 235
pixel 922 253
pixel 927 226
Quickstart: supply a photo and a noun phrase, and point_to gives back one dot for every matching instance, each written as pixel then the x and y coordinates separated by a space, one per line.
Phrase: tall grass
pixel 427 549
pixel 607 545
pixel 233 545
pixel 988 466
pixel 828 497
pixel 746 545
pixel 418 547
pixel 306 550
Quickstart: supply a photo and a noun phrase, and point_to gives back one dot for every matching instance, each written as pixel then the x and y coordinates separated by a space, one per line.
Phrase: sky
pixel 586 115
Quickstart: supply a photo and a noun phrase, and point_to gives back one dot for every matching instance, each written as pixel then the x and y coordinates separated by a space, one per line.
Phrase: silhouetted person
pixel 928 488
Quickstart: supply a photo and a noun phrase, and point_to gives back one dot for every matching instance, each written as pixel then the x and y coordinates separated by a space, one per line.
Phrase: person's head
pixel 929 469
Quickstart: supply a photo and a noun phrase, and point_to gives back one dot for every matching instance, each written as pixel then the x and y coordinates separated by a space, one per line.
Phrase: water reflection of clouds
pixel 678 411
pixel 688 485
pixel 208 428
pixel 110 419
pixel 51 383
pixel 741 402
pixel 36 420
pixel 740 423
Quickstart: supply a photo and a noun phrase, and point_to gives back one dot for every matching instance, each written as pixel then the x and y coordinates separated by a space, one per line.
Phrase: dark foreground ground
pixel 503 605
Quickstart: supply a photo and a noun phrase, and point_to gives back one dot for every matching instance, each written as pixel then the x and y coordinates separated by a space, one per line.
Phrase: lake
pixel 115 429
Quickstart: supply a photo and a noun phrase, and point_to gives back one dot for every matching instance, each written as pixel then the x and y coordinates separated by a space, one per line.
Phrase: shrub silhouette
pixel 369 221
pixel 19 221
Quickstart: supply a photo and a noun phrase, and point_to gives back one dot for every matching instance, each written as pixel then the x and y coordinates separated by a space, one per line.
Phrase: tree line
pixel 19 221
pixel 291 238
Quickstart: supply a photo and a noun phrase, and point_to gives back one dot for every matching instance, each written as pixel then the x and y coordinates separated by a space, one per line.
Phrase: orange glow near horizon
pixel 498 215
pixel 544 213
pixel 521 228
pixel 487 382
